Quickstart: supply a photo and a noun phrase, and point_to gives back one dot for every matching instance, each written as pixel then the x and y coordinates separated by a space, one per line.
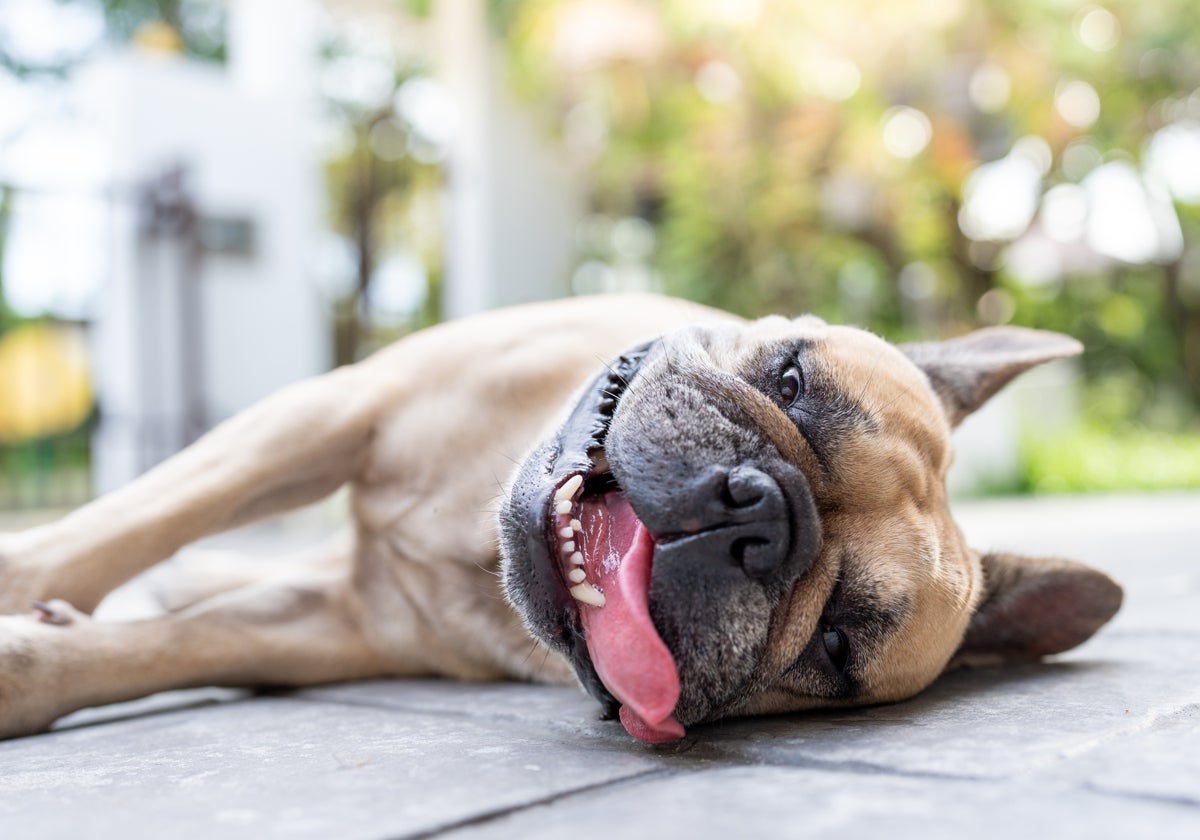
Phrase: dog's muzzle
pixel 638 566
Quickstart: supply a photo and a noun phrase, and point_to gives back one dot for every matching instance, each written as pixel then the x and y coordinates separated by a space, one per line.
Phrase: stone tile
pixel 166 701
pixel 989 723
pixel 1100 743
pixel 288 768
pixel 800 802
pixel 1161 762
pixel 565 706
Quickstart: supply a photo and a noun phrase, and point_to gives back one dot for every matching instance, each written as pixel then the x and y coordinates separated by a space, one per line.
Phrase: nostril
pixel 749 553
pixel 760 558
pixel 746 487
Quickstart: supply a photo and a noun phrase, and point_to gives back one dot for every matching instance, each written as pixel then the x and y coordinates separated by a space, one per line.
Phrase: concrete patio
pixel 1102 742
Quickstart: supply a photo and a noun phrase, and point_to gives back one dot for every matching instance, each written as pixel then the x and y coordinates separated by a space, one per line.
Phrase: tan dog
pixel 735 518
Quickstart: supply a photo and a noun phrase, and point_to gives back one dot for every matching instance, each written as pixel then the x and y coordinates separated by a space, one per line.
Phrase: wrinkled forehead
pixel 732 346
pixel 850 363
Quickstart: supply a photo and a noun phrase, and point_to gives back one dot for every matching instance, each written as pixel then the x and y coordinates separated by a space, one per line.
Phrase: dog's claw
pixel 52 613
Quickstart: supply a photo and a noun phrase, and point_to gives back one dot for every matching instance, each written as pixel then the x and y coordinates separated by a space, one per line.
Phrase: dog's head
pixel 752 518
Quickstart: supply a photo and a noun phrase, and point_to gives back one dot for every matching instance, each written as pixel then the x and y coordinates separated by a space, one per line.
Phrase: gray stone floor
pixel 1103 742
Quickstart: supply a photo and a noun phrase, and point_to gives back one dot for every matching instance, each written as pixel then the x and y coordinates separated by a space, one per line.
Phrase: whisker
pixel 612 371
pixel 533 646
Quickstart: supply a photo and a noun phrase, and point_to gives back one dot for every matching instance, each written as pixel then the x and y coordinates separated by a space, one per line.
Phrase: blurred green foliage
pixel 199 24
pixel 380 199
pixel 1099 460
pixel 768 148
pixel 197 29
pixel 753 137
pixel 7 318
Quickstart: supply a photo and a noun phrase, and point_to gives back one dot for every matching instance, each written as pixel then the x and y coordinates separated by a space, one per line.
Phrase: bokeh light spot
pixel 1097 28
pixel 906 132
pixel 996 306
pixel 718 82
pixel 837 79
pixel 1078 103
pixel 1064 212
pixel 1121 316
pixel 989 88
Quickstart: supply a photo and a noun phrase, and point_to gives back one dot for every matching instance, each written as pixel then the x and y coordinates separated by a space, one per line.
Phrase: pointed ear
pixel 966 371
pixel 1033 607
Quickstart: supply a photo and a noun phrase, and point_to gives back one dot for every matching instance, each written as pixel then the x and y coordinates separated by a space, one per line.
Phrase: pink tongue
pixel 630 657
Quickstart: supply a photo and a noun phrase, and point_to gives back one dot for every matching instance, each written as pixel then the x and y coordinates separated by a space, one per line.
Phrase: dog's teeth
pixel 577 558
pixel 577 575
pixel 566 533
pixel 576 525
pixel 568 547
pixel 567 491
pixel 587 594
pixel 563 507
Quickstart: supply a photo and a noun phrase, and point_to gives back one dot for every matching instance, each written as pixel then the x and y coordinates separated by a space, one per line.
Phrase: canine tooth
pixel 577 575
pixel 568 547
pixel 588 594
pixel 576 525
pixel 577 558
pixel 563 507
pixel 568 489
pixel 566 533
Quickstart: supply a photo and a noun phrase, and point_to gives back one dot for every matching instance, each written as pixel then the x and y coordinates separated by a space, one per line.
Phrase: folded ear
pixel 1033 607
pixel 966 371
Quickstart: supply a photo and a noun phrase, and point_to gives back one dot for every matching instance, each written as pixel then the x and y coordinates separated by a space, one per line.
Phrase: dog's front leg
pixel 291 449
pixel 55 659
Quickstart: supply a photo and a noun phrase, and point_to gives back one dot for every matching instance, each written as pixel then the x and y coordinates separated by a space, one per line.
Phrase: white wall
pixel 249 154
pixel 514 205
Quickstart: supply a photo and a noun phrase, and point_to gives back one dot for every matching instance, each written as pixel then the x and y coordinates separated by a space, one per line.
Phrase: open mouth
pixel 603 556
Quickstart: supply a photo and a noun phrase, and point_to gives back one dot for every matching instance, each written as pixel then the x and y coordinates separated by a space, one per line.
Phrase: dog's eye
pixel 836 646
pixel 791 383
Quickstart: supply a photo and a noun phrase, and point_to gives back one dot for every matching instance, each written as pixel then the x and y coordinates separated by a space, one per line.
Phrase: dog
pixel 708 517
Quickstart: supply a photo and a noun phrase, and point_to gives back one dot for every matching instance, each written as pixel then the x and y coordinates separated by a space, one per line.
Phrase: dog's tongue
pixel 630 657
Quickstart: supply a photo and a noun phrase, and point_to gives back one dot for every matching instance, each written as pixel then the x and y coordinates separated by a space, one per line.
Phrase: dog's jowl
pixel 710 517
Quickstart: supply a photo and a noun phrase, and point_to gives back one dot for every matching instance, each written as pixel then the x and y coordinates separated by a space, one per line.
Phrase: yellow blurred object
pixel 45 388
pixel 157 36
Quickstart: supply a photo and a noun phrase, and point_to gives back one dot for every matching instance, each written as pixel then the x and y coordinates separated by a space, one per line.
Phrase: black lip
pixel 584 431
pixel 587 427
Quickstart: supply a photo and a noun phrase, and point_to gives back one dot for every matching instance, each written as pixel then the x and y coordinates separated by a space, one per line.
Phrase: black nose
pixel 732 516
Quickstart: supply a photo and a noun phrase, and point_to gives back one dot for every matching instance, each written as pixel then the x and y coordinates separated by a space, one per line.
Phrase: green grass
pixel 1101 461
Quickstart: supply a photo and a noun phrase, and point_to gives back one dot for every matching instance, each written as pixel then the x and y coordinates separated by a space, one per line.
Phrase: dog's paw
pixel 30 699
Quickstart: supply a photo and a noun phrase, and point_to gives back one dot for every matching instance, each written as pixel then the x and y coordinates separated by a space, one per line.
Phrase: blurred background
pixel 202 200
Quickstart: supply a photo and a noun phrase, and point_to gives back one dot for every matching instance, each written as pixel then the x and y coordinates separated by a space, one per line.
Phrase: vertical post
pixel 146 333
pixel 464 51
